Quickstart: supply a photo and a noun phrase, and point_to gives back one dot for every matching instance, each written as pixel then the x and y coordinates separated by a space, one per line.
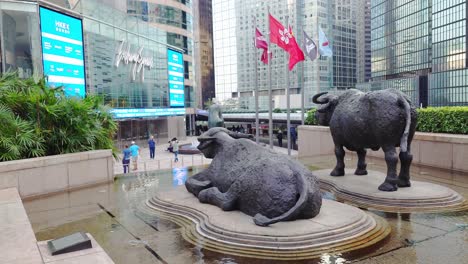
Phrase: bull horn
pixel 316 97
pixel 203 139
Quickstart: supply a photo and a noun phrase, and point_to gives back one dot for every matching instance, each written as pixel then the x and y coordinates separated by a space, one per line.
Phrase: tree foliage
pixel 38 120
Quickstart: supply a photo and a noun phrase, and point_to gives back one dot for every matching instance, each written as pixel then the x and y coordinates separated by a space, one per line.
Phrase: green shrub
pixel 277 110
pixel 310 119
pixel 453 119
pixel 38 121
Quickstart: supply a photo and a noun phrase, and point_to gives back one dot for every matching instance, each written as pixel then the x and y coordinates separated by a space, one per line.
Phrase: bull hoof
pixel 337 172
pixel 360 172
pixel 196 187
pixel 203 196
pixel 404 183
pixel 261 220
pixel 388 187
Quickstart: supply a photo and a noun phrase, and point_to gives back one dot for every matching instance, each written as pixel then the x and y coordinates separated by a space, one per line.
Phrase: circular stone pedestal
pixel 338 228
pixel 363 191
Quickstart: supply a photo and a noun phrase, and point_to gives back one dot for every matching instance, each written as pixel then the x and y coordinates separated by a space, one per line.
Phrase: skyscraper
pixel 419 47
pixel 204 62
pixel 235 56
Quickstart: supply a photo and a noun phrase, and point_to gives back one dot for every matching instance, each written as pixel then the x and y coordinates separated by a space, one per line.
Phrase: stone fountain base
pixel 338 228
pixel 362 191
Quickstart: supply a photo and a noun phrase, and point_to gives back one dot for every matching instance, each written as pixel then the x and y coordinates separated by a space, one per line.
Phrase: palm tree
pixel 40 120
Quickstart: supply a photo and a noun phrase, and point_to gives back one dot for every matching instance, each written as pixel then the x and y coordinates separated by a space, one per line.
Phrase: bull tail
pixel 303 185
pixel 404 137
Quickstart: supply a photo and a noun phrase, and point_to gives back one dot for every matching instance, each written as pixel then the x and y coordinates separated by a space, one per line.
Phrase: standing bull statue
pixel 215 116
pixel 259 182
pixel 380 119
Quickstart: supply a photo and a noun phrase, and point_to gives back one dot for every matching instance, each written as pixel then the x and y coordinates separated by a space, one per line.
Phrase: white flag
pixel 324 45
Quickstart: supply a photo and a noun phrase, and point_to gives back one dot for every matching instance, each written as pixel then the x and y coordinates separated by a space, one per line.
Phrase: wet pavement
pixel 115 215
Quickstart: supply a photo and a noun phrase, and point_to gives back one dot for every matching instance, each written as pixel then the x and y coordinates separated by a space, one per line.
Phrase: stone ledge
pixel 7 166
pixel 363 191
pixel 445 151
pixel 338 227
pixel 17 239
pixel 425 136
pixel 52 174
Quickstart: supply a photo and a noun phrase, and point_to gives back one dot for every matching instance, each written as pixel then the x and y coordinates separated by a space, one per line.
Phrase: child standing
pixel 175 149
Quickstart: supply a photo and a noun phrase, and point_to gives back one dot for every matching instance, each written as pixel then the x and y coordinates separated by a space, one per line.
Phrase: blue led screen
pixel 146 112
pixel 62 51
pixel 175 68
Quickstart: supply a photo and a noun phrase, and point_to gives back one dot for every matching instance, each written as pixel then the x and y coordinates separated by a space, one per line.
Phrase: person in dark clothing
pixel 293 137
pixel 152 146
pixel 280 138
pixel 127 153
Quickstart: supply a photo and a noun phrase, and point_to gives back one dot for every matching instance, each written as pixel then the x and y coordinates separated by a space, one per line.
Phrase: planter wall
pixel 45 175
pixel 447 151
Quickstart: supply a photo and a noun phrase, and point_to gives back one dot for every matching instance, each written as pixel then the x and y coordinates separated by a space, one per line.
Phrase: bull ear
pixel 324 108
pixel 203 139
pixel 332 100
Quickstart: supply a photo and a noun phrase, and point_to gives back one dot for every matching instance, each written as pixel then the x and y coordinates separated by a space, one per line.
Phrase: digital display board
pixel 175 68
pixel 62 51
pixel 146 112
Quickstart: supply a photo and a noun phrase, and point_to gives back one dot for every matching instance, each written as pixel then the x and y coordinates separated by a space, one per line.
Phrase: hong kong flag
pixel 284 39
pixel 261 43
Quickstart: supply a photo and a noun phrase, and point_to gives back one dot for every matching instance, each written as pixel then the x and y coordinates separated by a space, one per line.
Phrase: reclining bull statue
pixel 379 119
pixel 253 179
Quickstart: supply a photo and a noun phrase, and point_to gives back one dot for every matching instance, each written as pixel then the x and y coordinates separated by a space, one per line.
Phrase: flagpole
pixel 257 132
pixel 302 80
pixel 270 97
pixel 288 121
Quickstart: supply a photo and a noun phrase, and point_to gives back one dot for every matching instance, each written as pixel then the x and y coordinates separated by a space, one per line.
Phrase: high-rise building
pixel 419 47
pixel 363 41
pixel 236 57
pixel 204 61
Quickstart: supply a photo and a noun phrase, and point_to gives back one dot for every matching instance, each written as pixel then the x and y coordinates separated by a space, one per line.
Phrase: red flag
pixel 261 43
pixel 284 39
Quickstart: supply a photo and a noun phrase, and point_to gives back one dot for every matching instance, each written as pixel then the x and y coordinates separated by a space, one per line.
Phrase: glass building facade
pixel 204 68
pixel 235 57
pixel 421 39
pixel 109 27
pixel 175 19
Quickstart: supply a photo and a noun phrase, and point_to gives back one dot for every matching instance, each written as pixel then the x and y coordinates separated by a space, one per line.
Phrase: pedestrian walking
pixel 175 149
pixel 127 153
pixel 152 146
pixel 280 138
pixel 135 149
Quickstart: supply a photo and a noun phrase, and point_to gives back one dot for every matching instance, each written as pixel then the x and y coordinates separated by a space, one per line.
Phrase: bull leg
pixel 391 158
pixel 339 168
pixel 361 165
pixel 404 176
pixel 197 183
pixel 225 201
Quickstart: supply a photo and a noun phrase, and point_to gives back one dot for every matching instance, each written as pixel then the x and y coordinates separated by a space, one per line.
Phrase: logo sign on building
pixel 62 51
pixel 140 62
pixel 175 68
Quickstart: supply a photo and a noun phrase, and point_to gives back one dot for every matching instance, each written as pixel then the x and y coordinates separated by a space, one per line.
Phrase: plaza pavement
pixel 165 159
